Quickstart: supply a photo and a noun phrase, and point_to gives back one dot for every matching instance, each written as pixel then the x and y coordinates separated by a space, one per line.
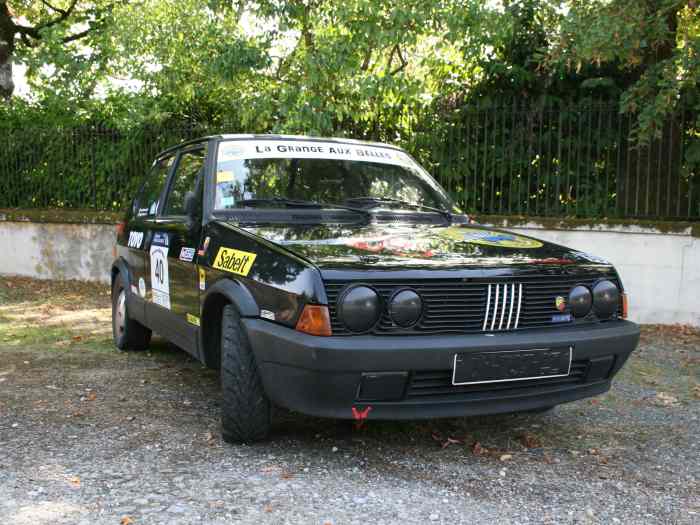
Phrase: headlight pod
pixel 359 308
pixel 580 301
pixel 606 298
pixel 405 308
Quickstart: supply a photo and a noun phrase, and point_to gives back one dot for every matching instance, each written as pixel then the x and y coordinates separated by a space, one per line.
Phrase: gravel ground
pixel 91 436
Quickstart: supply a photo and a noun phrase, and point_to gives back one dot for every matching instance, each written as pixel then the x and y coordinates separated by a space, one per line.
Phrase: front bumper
pixel 409 377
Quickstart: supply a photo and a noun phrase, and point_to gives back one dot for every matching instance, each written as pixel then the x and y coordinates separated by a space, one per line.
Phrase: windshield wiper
pixel 399 202
pixel 282 201
pixel 297 203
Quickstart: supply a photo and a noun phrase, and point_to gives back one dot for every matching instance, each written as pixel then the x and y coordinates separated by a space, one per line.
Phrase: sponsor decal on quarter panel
pixel 187 254
pixel 234 261
pixel 135 239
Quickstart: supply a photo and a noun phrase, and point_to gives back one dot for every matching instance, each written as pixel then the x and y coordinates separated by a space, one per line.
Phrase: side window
pixel 185 179
pixel 146 202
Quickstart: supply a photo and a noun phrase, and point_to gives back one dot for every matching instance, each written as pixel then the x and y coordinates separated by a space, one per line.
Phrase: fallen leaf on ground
pixel 478 450
pixel 75 481
pixel 529 440
pixel 696 391
pixel 446 442
pixel 91 396
pixel 126 520
pixel 664 399
pixel 506 457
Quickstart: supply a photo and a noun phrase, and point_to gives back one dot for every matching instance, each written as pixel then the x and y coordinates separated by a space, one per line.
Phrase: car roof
pixel 271 136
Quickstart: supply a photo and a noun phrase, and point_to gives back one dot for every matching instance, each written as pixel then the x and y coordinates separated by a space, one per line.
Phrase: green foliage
pixel 409 72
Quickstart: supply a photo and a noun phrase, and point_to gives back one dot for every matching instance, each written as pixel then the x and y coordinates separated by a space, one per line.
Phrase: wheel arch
pixel 224 292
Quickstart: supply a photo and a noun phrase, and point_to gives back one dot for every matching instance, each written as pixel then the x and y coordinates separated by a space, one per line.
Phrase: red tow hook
pixel 359 416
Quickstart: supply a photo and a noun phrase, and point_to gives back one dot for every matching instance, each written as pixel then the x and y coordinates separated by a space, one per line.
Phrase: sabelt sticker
pixel 187 254
pixel 193 319
pixel 202 279
pixel 234 261
pixel 308 149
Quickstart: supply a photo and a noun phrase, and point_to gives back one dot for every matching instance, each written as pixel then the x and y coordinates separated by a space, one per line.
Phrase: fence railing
pixel 508 159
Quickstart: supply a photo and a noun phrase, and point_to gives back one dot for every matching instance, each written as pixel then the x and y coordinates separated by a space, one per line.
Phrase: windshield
pixel 271 173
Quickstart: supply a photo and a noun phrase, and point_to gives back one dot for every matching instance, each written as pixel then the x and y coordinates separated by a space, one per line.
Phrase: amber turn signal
pixel 315 320
pixel 625 305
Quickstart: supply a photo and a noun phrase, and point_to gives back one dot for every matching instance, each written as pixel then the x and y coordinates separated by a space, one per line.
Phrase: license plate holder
pixel 474 368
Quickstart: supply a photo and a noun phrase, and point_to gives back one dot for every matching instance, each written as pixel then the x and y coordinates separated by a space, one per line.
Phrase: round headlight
pixel 359 308
pixel 580 301
pixel 606 298
pixel 405 308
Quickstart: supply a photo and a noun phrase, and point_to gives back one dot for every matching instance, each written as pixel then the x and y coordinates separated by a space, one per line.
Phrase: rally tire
pixel 128 334
pixel 246 410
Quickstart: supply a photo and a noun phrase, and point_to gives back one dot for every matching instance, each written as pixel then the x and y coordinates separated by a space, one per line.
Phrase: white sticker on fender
pixel 160 282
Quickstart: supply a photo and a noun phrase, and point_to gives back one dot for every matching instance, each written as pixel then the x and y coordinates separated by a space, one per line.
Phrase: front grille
pixel 459 306
pixel 439 382
pixel 503 302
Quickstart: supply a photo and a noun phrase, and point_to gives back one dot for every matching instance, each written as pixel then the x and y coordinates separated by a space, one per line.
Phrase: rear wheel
pixel 246 409
pixel 127 333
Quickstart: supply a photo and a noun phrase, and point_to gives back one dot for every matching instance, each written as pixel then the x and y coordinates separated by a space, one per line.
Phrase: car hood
pixel 397 246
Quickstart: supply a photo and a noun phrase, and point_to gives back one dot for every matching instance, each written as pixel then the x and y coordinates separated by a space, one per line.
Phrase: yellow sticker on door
pixel 234 261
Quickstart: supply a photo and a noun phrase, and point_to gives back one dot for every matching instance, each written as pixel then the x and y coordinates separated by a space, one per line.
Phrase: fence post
pixel 93 166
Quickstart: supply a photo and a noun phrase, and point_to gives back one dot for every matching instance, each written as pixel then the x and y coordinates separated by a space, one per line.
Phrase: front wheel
pixel 246 409
pixel 127 333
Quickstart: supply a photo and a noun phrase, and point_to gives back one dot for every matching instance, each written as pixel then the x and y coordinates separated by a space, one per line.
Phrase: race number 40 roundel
pixel 160 282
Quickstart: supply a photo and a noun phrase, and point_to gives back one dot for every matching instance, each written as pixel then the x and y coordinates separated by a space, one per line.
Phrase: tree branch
pixel 366 61
pixel 56 9
pixel 401 59
pixel 63 15
pixel 77 36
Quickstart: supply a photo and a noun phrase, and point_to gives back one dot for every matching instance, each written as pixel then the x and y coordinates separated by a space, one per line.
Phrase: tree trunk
pixel 7 47
pixel 6 84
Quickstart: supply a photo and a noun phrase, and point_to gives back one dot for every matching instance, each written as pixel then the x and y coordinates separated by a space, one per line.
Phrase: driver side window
pixel 146 202
pixel 187 178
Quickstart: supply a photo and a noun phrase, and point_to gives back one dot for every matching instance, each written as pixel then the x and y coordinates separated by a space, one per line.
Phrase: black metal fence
pixel 573 161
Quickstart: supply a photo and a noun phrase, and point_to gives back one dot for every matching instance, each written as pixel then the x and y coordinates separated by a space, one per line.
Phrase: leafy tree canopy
pixel 362 67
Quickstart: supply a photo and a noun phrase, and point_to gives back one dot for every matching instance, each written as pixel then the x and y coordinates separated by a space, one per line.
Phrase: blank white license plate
pixel 473 368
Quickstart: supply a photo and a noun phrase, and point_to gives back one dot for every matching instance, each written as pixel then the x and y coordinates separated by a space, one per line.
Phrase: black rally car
pixel 336 278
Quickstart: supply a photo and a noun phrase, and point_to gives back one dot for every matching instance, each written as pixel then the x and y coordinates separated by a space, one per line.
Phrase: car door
pixel 139 230
pixel 174 308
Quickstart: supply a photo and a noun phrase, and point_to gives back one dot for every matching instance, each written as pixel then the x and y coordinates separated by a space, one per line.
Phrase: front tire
pixel 127 333
pixel 246 409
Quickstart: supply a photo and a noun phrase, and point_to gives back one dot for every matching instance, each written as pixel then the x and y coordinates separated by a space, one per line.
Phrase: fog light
pixel 580 301
pixel 405 308
pixel 606 298
pixel 359 308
